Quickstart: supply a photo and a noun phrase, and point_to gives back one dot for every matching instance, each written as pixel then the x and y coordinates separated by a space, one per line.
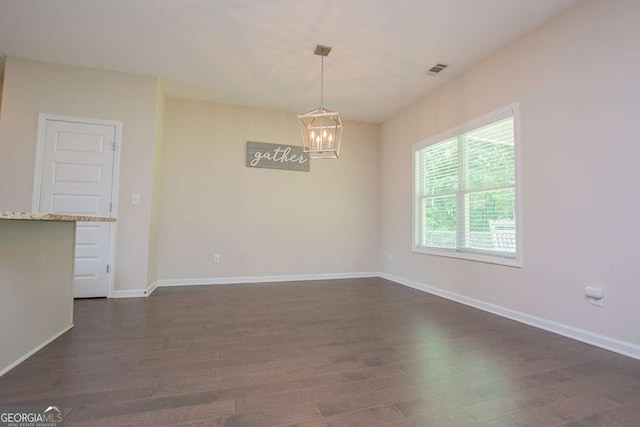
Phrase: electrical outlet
pixel 216 258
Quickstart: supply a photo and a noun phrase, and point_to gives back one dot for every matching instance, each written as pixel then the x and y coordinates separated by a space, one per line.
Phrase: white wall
pixel 577 84
pixel 32 87
pixel 262 222
pixel 152 268
pixel 36 285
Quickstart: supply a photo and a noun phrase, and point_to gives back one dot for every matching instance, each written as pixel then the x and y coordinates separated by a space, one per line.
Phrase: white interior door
pixel 76 177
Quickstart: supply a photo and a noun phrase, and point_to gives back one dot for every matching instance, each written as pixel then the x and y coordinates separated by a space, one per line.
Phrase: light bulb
pixel 313 135
pixel 330 137
pixel 318 139
pixel 324 133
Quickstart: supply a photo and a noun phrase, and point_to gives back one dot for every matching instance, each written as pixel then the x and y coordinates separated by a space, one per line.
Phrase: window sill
pixel 510 262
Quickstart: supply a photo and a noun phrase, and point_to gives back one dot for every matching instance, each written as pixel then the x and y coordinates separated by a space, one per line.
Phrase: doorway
pixel 76 174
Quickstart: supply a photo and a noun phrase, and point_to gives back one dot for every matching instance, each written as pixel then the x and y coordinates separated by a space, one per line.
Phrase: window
pixel 465 198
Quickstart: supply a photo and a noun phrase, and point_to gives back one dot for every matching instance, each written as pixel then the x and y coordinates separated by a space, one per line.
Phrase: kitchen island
pixel 36 281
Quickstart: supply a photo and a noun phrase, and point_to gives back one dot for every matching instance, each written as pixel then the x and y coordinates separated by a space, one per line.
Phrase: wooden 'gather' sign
pixel 277 156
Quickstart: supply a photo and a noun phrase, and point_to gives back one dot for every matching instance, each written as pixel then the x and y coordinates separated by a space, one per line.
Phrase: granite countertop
pixel 35 216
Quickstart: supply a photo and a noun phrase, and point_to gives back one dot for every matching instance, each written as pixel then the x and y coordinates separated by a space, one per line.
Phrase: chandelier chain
pixel 322 82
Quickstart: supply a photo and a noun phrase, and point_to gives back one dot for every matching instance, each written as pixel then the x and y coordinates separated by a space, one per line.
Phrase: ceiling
pixel 260 52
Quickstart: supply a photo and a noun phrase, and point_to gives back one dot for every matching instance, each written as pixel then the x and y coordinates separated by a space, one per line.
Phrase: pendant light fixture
pixel 321 128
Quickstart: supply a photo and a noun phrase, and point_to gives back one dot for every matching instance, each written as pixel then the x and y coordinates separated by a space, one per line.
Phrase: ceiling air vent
pixel 436 69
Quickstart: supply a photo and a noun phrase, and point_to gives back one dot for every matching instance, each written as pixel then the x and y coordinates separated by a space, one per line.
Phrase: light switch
pixel 135 198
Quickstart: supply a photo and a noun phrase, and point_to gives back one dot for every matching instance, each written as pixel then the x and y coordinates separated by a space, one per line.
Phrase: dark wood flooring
pixel 345 352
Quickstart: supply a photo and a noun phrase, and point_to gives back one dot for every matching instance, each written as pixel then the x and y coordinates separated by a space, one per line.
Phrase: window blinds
pixel 466 191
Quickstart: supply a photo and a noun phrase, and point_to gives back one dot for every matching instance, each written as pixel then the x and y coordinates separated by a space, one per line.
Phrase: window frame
pixel 466 253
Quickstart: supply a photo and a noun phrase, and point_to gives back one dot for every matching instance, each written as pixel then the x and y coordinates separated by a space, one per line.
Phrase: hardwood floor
pixel 344 352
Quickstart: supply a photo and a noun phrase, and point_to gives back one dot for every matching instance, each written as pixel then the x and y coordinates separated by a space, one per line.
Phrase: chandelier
pixel 321 128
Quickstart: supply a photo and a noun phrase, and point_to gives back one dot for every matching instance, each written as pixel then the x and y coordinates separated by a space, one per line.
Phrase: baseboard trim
pixel 34 351
pixel 152 287
pixel 132 293
pixel 622 347
pixel 263 279
pixel 141 293
pixel 135 293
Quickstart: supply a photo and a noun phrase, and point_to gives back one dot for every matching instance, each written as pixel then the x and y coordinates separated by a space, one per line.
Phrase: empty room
pixel 314 212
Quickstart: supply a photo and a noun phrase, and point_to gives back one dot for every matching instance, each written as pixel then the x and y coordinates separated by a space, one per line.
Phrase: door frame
pixel 37 177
